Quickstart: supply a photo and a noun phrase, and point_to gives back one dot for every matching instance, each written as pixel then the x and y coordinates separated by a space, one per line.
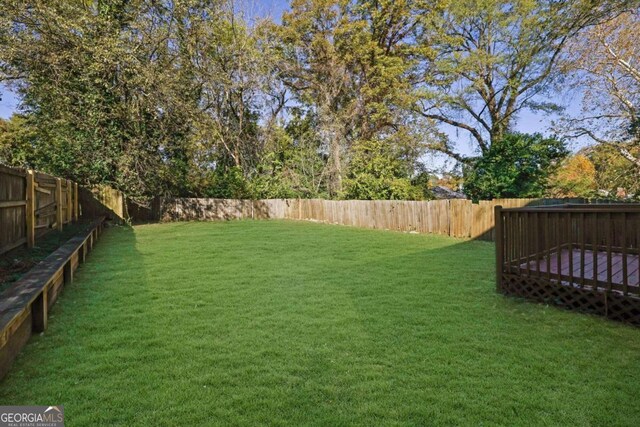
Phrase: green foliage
pixel 376 172
pixel 18 143
pixel 292 164
pixel 422 182
pixel 189 98
pixel 354 65
pixel 519 165
pixel 228 183
pixel 119 93
pixel 92 98
pixel 576 177
pixel 613 172
pixel 492 59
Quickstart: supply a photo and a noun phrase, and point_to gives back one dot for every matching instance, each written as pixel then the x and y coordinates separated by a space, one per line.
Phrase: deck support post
pixel 499 247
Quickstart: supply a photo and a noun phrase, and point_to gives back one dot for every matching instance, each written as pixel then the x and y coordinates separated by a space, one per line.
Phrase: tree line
pixel 336 99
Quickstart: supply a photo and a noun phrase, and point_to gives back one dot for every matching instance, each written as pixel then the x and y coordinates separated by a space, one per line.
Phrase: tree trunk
pixel 330 132
pixel 336 165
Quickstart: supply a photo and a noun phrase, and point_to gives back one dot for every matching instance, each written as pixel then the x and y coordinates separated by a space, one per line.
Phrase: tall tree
pixel 315 70
pixel 353 63
pixel 605 61
pixel 143 95
pixel 191 98
pixel 496 58
pixel 105 86
pixel 233 68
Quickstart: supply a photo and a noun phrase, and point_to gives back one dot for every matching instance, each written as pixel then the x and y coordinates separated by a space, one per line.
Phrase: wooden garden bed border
pixel 24 307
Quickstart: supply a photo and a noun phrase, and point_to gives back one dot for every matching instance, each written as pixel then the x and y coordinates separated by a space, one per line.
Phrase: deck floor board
pixel 549 265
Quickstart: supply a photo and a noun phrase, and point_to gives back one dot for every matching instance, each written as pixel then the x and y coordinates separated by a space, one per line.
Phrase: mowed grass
pixel 291 323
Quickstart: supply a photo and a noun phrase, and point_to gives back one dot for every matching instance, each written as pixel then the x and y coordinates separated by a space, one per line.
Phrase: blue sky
pixel 8 102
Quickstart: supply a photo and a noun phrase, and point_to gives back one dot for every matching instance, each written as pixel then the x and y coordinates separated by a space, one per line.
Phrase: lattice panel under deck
pixel 609 304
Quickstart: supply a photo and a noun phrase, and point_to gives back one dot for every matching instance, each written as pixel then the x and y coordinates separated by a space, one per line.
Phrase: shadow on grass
pixel 482 356
pixel 96 350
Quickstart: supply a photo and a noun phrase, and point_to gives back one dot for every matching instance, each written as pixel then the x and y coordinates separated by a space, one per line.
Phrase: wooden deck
pixel 581 257
pixel 571 271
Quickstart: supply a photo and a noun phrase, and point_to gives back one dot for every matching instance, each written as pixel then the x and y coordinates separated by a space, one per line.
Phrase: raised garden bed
pixel 25 304
pixel 14 264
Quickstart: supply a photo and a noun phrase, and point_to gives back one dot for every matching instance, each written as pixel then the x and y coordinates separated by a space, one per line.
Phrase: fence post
pixel 499 246
pixel 75 201
pixel 30 210
pixel 69 201
pixel 59 218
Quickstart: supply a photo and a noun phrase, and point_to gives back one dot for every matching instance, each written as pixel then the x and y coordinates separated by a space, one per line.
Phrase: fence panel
pixel 13 202
pixel 31 203
pixel 45 209
pixel 455 217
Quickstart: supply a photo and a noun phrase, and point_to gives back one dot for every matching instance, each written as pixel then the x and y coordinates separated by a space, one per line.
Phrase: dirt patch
pixel 15 263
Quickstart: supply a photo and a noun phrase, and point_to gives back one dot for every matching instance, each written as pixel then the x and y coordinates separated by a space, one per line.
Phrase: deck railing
pixel 586 247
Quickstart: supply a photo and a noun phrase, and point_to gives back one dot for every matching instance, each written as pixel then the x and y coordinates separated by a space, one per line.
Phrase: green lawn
pixel 295 323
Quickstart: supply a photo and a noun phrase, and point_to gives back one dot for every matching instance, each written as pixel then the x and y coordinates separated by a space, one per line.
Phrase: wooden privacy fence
pixel 451 217
pixel 102 200
pixel 31 203
pixel 455 217
pixel 584 257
